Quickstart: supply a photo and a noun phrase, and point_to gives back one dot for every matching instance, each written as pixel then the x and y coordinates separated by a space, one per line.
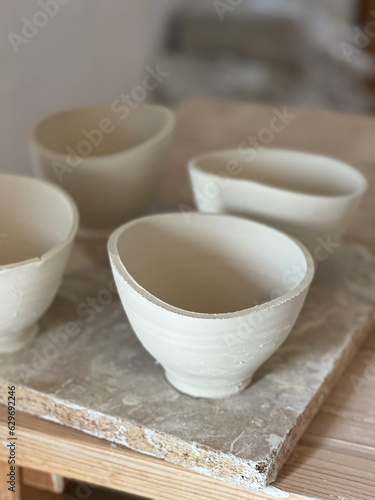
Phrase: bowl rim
pixel 59 246
pixel 163 133
pixel 116 261
pixel 355 193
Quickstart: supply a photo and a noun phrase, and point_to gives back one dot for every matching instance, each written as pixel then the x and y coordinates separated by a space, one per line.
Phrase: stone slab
pixel 87 370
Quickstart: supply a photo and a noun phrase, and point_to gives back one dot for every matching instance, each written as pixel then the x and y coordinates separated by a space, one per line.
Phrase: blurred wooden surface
pixel 336 457
pixel 42 480
pixel 31 493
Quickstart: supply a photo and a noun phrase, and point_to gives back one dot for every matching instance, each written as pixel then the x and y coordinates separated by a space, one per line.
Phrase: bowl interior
pixel 99 130
pixel 211 264
pixel 35 217
pixel 288 170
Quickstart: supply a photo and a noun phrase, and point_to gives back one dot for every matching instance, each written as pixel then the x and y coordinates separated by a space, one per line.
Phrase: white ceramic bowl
pixel 211 298
pixel 310 196
pixel 111 162
pixel 38 222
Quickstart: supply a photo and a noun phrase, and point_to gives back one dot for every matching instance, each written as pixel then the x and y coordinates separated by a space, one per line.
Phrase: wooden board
pixel 87 370
pixel 80 456
pixel 43 481
pixel 317 468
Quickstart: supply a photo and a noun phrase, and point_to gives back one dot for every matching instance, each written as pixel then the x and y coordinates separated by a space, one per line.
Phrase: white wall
pixel 88 51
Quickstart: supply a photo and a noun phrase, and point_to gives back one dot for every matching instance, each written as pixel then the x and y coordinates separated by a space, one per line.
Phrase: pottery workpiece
pixel 38 225
pixel 111 162
pixel 310 196
pixel 209 296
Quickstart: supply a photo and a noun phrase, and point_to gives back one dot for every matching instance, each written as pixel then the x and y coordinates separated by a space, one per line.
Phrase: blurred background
pixel 58 54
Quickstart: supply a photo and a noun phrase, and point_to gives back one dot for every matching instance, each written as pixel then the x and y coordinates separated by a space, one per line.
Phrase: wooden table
pixel 336 457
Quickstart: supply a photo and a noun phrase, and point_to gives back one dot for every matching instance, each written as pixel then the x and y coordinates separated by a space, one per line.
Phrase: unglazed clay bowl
pixel 111 159
pixel 38 222
pixel 211 297
pixel 312 197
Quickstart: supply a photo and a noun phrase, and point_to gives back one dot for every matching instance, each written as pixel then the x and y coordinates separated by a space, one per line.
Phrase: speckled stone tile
pixel 87 370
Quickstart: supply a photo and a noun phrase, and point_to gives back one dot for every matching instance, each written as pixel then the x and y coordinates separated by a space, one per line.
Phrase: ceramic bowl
pixel 312 197
pixel 37 228
pixel 110 159
pixel 211 297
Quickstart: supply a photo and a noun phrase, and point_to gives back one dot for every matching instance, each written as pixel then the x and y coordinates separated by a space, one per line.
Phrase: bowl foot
pixel 15 341
pixel 188 385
